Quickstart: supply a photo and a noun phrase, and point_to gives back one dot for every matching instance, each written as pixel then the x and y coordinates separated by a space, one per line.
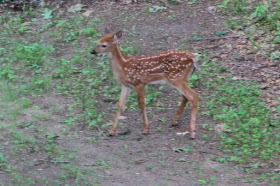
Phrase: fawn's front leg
pixel 124 94
pixel 140 89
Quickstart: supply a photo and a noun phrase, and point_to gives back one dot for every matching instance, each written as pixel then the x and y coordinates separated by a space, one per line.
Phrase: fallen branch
pixel 263 66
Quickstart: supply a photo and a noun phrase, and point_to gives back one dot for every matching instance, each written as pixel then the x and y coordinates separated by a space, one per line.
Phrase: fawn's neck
pixel 117 59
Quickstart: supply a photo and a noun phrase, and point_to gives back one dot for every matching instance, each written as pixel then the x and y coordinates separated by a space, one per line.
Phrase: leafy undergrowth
pixel 258 22
pixel 249 132
pixel 249 129
pixel 244 113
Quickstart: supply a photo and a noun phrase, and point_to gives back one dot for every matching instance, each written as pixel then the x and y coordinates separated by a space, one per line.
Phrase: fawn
pixel 172 66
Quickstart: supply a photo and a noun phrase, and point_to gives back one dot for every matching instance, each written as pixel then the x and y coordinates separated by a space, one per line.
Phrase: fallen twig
pixel 59 161
pixel 229 162
pixel 263 66
pixel 93 164
pixel 206 48
pixel 165 4
pixel 216 55
pixel 210 11
pixel 42 161
pixel 213 13
pixel 217 38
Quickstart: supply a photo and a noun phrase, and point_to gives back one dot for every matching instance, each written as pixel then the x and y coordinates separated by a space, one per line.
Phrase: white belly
pixel 160 82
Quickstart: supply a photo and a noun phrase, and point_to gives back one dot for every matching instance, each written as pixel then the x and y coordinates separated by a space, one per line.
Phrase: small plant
pixel 163 119
pixel 224 4
pixel 3 162
pixel 186 150
pixel 260 11
pixel 7 72
pixel 155 8
pixel 102 163
pixel 47 14
pixel 159 129
pixel 25 103
pixel 91 32
pixel 192 2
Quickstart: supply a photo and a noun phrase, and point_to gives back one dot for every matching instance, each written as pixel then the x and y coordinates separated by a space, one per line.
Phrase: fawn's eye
pixel 103 46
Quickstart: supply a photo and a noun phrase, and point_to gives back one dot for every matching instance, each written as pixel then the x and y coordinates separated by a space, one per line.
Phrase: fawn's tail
pixel 195 64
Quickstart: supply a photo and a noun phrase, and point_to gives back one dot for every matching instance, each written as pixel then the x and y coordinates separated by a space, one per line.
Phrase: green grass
pixel 250 130
pixel 28 70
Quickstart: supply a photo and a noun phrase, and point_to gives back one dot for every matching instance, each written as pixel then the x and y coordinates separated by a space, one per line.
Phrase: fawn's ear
pixel 118 35
pixel 107 29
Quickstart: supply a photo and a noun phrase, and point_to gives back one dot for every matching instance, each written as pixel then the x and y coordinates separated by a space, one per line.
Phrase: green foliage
pixel 264 12
pixel 249 129
pixel 32 55
pixel 28 70
pixel 194 80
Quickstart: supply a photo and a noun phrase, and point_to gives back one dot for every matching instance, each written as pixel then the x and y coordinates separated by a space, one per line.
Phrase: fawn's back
pixel 163 66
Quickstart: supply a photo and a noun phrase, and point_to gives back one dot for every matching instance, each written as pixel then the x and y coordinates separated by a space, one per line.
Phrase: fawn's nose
pixel 93 52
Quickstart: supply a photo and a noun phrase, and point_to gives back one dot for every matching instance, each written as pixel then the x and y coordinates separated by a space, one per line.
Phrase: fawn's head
pixel 107 42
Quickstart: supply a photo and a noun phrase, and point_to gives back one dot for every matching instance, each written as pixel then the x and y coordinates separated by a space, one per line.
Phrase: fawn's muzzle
pixel 93 52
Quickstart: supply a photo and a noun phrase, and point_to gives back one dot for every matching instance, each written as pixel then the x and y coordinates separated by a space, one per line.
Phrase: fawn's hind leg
pixel 192 96
pixel 180 110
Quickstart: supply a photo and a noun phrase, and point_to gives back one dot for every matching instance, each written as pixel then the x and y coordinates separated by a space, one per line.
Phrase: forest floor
pixel 56 113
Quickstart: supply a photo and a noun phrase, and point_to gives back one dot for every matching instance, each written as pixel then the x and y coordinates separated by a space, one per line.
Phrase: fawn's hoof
pixel 173 125
pixel 145 132
pixel 192 135
pixel 111 133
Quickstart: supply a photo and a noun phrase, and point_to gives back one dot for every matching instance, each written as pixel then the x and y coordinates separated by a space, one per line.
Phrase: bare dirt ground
pixel 162 157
